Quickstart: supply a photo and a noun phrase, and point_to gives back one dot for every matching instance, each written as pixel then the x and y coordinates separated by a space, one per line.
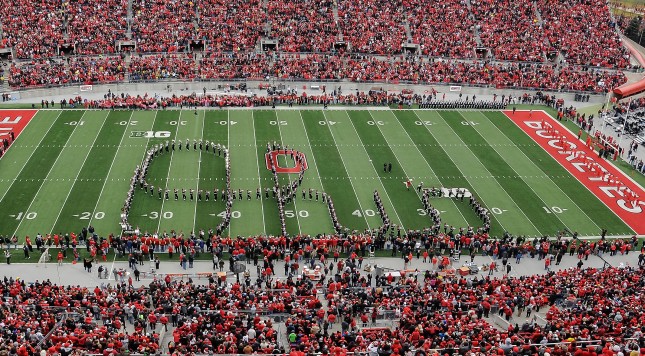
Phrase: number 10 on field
pixel 29 216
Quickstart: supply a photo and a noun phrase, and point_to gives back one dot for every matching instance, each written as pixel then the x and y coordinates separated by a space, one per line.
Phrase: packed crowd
pixel 163 26
pixel 156 67
pixel 303 25
pixel 254 66
pixel 249 65
pixel 76 70
pixel 443 31
pixel 81 319
pixel 230 25
pixel 33 29
pixel 510 29
pixel 373 26
pixel 582 30
pixel 94 27
pixel 436 312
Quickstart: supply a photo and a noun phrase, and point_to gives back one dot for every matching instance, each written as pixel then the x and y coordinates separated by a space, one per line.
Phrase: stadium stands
pixel 373 26
pixel 587 310
pixel 233 65
pixel 344 40
pixel 94 27
pixel 155 67
pixel 230 25
pixel 37 73
pixel 302 25
pixel 510 29
pixel 163 26
pixel 33 29
pixel 443 31
pixel 583 31
pixel 314 67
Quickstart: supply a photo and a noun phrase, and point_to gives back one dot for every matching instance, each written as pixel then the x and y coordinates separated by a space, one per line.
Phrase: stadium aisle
pixel 73 274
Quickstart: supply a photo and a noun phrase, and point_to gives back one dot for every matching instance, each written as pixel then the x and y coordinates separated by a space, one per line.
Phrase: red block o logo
pixel 273 156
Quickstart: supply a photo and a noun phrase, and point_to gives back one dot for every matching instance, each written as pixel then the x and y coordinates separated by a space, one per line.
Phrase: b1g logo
pixel 150 134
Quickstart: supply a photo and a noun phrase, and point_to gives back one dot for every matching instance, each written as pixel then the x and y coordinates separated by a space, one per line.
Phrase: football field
pixel 72 168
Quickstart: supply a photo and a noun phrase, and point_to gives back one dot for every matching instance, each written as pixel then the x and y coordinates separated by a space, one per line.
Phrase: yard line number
pixel 554 209
pixel 299 213
pixel 29 216
pixel 86 215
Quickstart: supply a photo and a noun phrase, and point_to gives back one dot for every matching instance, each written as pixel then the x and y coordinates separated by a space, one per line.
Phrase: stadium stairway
pixel 127 60
pixel 165 337
pixel 283 338
pixel 129 20
pixel 4 84
pixel 559 59
pixel 335 11
pixel 540 21
pixel 267 25
pixel 408 33
pixel 538 15
pixel 502 324
pixel 478 39
pixel 197 19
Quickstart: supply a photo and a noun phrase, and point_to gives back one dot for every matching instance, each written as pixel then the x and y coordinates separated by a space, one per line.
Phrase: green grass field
pixel 61 175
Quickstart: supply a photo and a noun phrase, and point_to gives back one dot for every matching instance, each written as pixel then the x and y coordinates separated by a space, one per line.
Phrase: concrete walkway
pixel 70 274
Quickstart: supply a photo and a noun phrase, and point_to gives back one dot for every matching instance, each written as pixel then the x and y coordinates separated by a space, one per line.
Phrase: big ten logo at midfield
pixel 150 134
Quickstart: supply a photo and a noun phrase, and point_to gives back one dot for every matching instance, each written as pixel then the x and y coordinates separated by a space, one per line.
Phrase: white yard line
pixel 32 152
pixel 46 177
pixel 228 146
pixel 172 154
pixel 62 207
pixel 517 174
pixel 609 162
pixel 313 158
pixel 428 163
pixel 375 172
pixel 346 171
pixel 496 181
pixel 479 196
pixel 295 207
pixel 257 162
pixel 539 169
pixel 199 167
pixel 112 165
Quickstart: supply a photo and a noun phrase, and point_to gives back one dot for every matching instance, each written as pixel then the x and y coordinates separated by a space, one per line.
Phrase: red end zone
pixel 14 121
pixel 622 195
